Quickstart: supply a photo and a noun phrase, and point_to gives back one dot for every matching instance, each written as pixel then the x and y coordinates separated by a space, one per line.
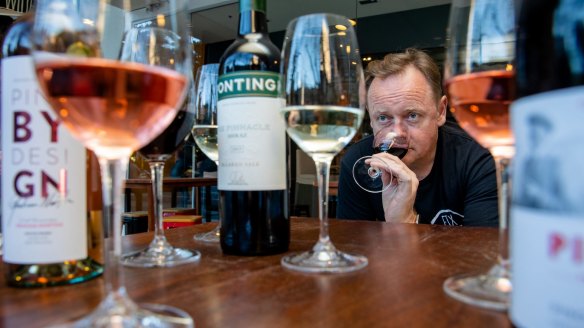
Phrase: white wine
pixel 322 129
pixel 206 138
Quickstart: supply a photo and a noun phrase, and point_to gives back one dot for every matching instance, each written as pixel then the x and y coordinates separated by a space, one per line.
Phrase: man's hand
pixel 398 199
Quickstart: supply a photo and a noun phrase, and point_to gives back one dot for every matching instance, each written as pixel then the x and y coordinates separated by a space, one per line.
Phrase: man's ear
pixel 442 107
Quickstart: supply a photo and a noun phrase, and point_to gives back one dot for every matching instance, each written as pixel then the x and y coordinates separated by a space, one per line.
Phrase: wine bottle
pixel 47 238
pixel 251 134
pixel 547 211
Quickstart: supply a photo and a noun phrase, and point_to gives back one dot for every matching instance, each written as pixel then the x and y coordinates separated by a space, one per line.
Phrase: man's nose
pixel 400 128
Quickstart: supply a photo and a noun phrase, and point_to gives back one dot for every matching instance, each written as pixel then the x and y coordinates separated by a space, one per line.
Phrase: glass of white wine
pixel 113 107
pixel 205 128
pixel 324 89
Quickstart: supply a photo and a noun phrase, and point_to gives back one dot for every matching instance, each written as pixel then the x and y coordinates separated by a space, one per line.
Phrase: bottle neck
pixel 252 17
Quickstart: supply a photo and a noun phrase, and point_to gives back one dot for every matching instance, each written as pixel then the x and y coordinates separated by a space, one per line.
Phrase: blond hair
pixel 396 63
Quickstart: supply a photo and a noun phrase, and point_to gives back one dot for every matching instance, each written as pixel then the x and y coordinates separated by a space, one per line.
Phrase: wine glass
pixel 479 79
pixel 324 89
pixel 141 44
pixel 369 178
pixel 205 128
pixel 113 107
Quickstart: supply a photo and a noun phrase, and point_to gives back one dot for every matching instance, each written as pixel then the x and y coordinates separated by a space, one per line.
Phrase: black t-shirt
pixel 461 189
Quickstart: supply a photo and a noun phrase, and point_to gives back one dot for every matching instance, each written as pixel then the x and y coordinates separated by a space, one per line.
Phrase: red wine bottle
pixel 51 236
pixel 252 154
pixel 547 211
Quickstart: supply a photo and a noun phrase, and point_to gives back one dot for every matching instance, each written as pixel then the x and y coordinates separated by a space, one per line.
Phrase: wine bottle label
pixel 251 132
pixel 547 214
pixel 43 175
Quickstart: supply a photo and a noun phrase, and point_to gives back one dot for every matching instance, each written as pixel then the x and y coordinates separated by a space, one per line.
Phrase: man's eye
pixel 413 116
pixel 382 118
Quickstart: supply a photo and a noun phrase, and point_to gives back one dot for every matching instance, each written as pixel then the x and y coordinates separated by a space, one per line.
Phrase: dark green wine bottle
pixel 252 156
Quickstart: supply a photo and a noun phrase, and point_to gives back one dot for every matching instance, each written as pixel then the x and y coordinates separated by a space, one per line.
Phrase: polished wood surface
pixel 401 286
pixel 169 183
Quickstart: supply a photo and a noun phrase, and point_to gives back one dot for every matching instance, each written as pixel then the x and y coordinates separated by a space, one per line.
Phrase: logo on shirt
pixel 447 217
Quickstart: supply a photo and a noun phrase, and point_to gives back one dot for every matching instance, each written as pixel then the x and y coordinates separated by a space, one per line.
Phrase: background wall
pixel 423 28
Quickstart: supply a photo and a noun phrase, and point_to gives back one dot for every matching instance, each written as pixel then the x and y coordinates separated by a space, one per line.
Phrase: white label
pixel 44 216
pixel 547 256
pixel 547 215
pixel 252 144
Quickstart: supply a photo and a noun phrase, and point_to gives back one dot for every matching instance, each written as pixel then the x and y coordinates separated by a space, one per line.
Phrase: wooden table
pixel 401 287
pixel 169 183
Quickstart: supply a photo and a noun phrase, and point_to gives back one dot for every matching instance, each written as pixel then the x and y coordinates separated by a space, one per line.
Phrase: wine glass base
pixel 120 311
pixel 324 262
pixel 151 257
pixel 210 236
pixel 490 290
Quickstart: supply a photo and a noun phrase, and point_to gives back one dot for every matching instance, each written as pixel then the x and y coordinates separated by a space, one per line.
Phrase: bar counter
pixel 401 286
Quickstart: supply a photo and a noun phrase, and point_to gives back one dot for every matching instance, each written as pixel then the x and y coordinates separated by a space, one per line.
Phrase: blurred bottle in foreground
pixel 50 235
pixel 547 232
pixel 5 23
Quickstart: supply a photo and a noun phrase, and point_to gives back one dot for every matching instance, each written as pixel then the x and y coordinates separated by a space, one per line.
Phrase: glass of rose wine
pixel 141 44
pixel 205 128
pixel 323 86
pixel 114 107
pixel 479 79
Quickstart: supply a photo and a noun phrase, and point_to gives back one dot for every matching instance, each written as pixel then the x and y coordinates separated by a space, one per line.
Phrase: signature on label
pixel 237 179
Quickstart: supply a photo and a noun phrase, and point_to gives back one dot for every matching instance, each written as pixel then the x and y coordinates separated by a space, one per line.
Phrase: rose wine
pixel 322 129
pixel 206 138
pixel 112 107
pixel 50 220
pixel 480 103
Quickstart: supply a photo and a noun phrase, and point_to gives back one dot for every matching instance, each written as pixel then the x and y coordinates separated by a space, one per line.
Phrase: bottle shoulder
pixel 251 52
pixel 17 39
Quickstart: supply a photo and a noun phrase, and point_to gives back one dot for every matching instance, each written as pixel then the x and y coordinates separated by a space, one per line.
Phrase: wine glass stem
pixel 504 193
pixel 157 170
pixel 113 172
pixel 322 179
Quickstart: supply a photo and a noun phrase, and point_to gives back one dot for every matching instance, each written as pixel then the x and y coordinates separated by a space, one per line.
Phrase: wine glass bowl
pixel 205 128
pixel 480 103
pixel 160 253
pixel 113 106
pixel 323 86
pixel 368 177
pixel 479 80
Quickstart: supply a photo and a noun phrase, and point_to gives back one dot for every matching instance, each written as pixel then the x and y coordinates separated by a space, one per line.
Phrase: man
pixel 445 176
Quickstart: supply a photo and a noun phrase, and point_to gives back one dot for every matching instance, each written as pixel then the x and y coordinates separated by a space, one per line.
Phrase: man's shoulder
pixel 455 136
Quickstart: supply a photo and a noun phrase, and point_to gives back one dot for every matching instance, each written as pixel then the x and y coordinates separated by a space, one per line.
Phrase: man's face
pixel 404 104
